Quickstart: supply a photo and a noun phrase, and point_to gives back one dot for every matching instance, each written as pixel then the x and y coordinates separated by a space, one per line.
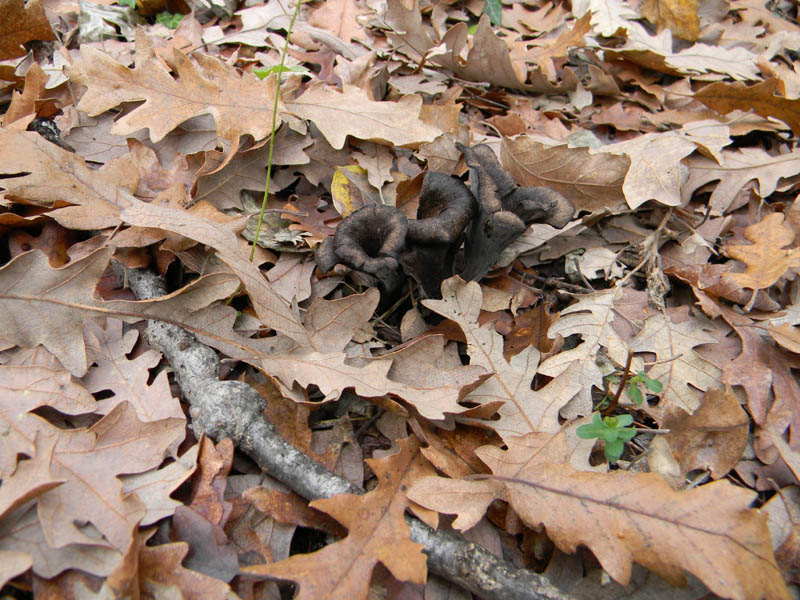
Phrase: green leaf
pixel 635 394
pixel 128 3
pixel 624 420
pixel 494 8
pixel 626 434
pixel 610 435
pixel 169 20
pixel 264 72
pixel 472 29
pixel 654 385
pixel 613 450
pixel 595 430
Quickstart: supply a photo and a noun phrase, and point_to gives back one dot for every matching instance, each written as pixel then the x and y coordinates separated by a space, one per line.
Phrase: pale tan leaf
pixel 39 172
pixel 34 387
pixel 240 103
pixel 786 336
pixel 272 310
pixel 154 487
pixel 351 112
pixel 48 306
pixel 128 379
pixel 488 58
pixel 678 366
pixel 655 171
pixel 86 461
pixel 739 167
pixel 608 16
pixel 13 564
pixel 340 17
pixel 523 410
pixel 590 317
pixel 31 477
pixel 21 531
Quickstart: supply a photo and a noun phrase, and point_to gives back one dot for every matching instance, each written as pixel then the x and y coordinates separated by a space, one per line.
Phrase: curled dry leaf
pixel 713 437
pixel 590 181
pixel 622 517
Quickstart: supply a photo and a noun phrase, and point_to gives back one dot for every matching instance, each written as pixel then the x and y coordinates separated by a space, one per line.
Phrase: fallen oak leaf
pixel 766 258
pixel 521 409
pixel 41 305
pixel 22 24
pixel 377 532
pixel 621 517
pixel 678 365
pixel 272 310
pixel 351 112
pixel 761 98
pixel 41 173
pixel 739 167
pixel 239 103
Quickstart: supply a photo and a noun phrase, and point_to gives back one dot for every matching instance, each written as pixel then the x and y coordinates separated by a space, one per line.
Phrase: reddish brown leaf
pixel 377 533
pixel 22 24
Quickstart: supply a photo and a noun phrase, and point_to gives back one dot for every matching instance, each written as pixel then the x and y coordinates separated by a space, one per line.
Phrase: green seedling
pixel 634 391
pixel 615 431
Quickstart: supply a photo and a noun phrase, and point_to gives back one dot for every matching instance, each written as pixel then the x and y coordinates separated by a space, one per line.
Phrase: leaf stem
pixel 274 125
pixel 625 376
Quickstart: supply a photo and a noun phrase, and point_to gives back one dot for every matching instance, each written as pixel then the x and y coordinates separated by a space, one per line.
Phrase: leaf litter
pixel 671 131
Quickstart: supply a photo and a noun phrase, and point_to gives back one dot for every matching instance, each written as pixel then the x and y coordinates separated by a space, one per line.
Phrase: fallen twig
pixel 233 409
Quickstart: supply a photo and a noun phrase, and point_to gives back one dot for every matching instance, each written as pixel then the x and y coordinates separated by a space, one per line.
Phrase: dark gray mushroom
pixel 445 208
pixel 504 210
pixel 368 241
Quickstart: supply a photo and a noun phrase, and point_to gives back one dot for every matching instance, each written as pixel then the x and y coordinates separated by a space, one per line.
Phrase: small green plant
pixel 615 431
pixel 168 19
pixel 633 390
pixel 641 378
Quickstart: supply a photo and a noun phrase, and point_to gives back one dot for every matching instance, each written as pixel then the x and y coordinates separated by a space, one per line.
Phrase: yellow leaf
pixel 346 199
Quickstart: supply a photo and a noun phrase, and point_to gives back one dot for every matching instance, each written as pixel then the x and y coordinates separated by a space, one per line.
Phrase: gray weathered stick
pixel 232 409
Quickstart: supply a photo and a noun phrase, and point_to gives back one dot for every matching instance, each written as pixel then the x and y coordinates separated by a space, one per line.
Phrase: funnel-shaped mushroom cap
pixel 445 208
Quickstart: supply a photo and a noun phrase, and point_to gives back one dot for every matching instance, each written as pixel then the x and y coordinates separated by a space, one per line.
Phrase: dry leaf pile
pixel 340 428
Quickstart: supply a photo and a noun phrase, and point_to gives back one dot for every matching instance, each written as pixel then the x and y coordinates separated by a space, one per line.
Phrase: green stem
pixel 274 124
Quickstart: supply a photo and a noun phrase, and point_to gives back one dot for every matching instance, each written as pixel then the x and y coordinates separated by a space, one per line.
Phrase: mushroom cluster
pixel 381 245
